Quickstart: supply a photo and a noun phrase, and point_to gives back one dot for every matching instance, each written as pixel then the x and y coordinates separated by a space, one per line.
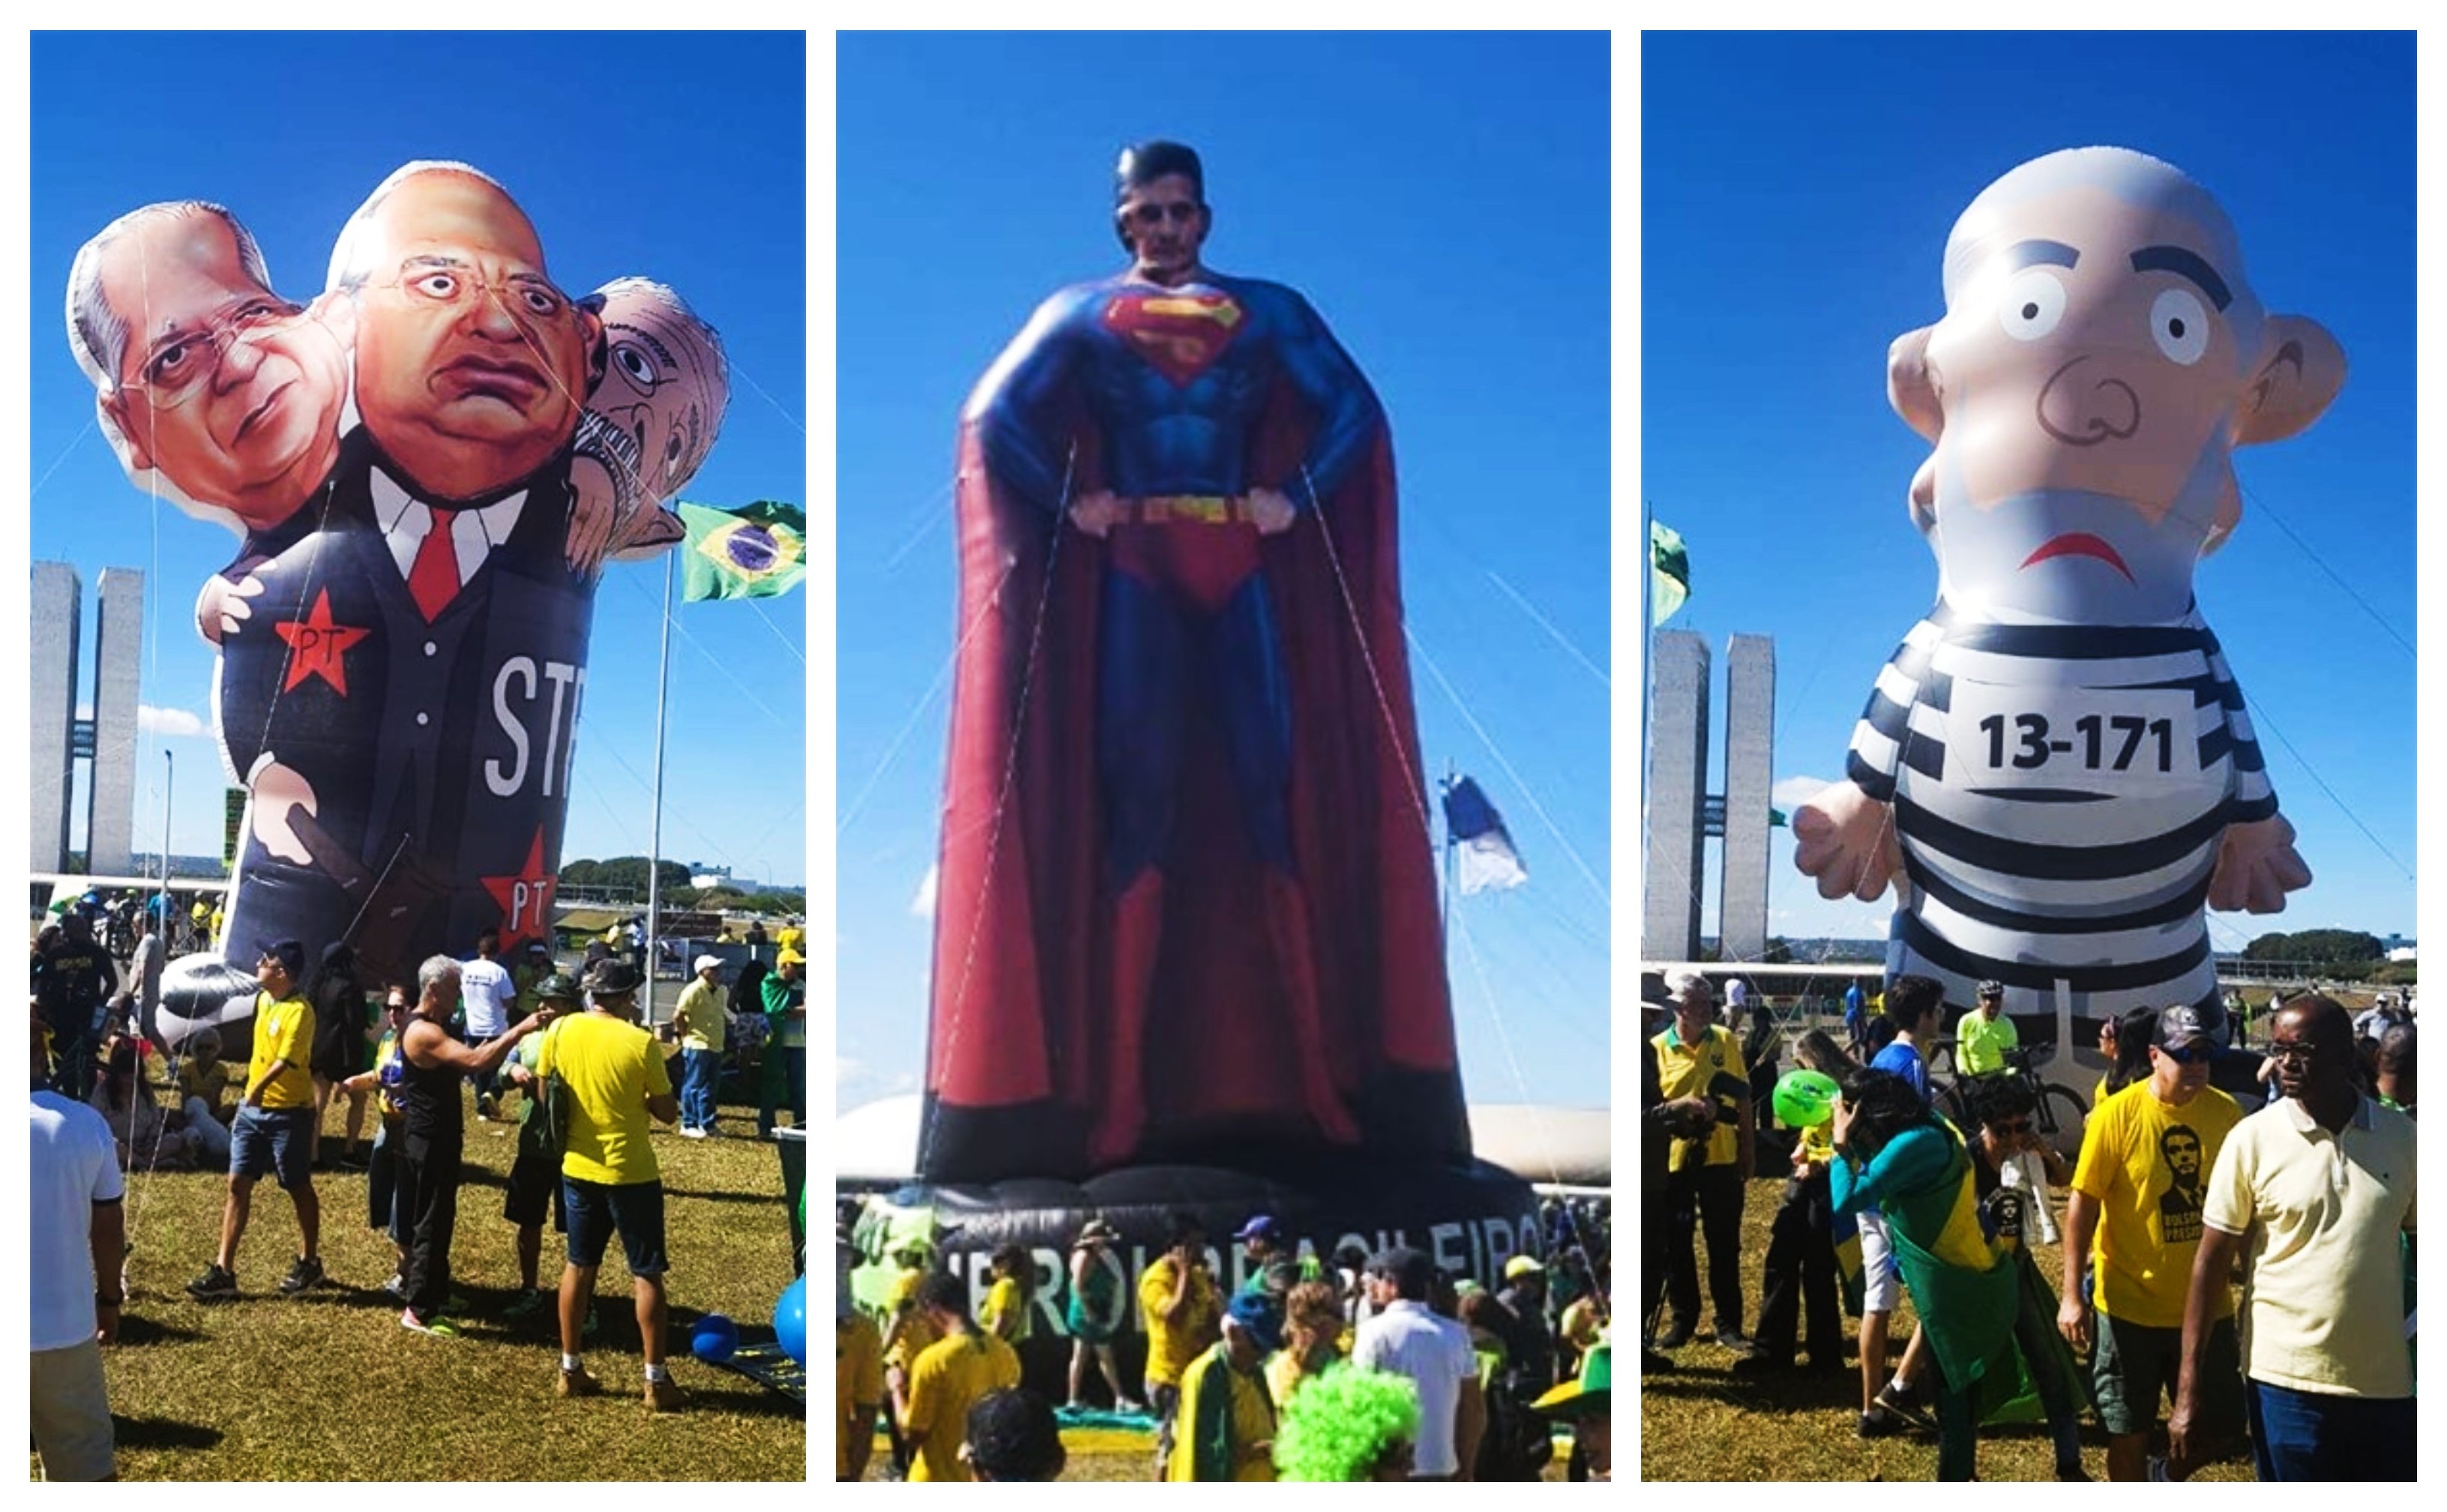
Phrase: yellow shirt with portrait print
pixel 2149 1222
pixel 284 1031
pixel 944 1383
pixel 1702 1069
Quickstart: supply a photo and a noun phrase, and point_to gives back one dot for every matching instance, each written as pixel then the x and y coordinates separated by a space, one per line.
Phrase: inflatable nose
pixel 2083 405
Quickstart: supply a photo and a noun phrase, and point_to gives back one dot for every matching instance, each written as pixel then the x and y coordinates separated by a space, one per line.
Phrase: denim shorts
pixel 595 1211
pixel 265 1140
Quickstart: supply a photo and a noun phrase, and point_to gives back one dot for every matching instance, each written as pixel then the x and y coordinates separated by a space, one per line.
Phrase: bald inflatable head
pixel 2102 353
pixel 472 365
pixel 204 379
pixel 665 381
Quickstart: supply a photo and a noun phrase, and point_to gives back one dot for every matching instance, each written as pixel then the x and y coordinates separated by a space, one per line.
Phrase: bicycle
pixel 2058 1112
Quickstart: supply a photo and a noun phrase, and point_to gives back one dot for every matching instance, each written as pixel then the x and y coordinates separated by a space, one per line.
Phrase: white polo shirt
pixel 2323 1307
pixel 1408 1339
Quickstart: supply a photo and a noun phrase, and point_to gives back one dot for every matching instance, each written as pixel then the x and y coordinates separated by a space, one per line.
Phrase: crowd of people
pixel 2230 1274
pixel 586 1076
pixel 1352 1366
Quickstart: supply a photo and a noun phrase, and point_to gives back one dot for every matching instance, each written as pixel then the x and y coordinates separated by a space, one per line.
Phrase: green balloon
pixel 1805 1099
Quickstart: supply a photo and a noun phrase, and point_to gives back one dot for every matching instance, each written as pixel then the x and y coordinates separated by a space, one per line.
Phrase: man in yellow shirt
pixel 932 1398
pixel 2138 1189
pixel 1184 1312
pixel 1228 1417
pixel 610 1179
pixel 1699 1057
pixel 1985 1034
pixel 858 1375
pixel 700 1024
pixel 275 1126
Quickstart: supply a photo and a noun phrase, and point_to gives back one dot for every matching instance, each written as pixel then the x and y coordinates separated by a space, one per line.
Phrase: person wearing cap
pixel 1531 1347
pixel 1587 1404
pixel 907 1330
pixel 273 1130
pixel 1269 1265
pixel 1434 1353
pixel 1091 1315
pixel 1699 1057
pixel 534 1184
pixel 699 1022
pixel 2134 1210
pixel 2314 1195
pixel 1985 1034
pixel 1182 1309
pixel 785 991
pixel 931 1399
pixel 611 1181
pixel 1226 1429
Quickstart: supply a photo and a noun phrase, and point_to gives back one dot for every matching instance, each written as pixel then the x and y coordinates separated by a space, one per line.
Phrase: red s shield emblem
pixel 1180 335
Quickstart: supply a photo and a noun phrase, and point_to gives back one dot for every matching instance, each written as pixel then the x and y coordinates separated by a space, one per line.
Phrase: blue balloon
pixel 790 1321
pixel 714 1339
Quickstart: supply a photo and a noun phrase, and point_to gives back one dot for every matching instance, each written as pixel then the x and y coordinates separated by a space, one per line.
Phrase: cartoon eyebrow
pixel 2022 254
pixel 431 260
pixel 2184 264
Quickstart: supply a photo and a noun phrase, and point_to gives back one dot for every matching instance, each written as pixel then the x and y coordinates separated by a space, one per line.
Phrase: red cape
pixel 1019 1038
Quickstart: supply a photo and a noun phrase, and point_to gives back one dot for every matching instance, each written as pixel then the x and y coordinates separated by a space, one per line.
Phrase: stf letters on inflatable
pixel 426 467
pixel 2054 768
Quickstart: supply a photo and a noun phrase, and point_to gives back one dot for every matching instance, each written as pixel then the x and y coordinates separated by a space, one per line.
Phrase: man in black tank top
pixel 436 1134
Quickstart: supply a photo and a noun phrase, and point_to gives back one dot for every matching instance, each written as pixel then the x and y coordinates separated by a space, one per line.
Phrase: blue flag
pixel 1488 859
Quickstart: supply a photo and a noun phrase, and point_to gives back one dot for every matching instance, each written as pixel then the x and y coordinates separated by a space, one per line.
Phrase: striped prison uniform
pixel 2094 880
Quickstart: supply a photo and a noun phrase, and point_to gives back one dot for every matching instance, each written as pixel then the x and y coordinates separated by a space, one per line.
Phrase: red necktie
pixel 433 577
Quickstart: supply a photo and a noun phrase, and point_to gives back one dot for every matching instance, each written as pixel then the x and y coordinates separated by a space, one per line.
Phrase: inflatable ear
pixel 2298 380
pixel 1910 387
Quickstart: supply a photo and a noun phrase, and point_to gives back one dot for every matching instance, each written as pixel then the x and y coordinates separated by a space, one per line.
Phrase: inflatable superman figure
pixel 1187 901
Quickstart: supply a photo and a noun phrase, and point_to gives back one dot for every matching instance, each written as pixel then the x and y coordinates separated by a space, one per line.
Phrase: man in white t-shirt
pixel 486 993
pixel 1408 1339
pixel 77 1243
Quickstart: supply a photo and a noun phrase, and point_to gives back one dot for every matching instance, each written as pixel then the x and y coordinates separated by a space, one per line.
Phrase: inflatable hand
pixel 222 606
pixel 1846 839
pixel 277 790
pixel 2257 865
pixel 590 516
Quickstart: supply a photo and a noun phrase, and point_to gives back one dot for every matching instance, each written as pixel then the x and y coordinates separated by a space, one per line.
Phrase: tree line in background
pixel 629 873
pixel 2349 955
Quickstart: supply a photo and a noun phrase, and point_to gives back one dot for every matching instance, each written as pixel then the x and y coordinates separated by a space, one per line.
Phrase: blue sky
pixel 1444 202
pixel 1797 193
pixel 678 158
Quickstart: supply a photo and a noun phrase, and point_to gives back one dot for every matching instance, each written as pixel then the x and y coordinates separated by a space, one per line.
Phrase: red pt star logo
pixel 526 896
pixel 316 647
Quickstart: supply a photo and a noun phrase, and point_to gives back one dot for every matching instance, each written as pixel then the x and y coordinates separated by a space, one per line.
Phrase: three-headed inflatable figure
pixel 2056 767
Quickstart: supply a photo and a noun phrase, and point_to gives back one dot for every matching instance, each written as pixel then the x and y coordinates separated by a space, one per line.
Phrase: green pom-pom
pixel 1339 1426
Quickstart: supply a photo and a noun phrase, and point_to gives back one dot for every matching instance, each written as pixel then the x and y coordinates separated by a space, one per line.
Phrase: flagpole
pixel 1452 873
pixel 1647 632
pixel 655 844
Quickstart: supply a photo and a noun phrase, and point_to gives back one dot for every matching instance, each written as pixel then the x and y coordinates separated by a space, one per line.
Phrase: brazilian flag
pixel 756 552
pixel 1669 572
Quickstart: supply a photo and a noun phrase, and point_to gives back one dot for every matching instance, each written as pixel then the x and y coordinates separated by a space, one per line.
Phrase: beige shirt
pixel 2323 1303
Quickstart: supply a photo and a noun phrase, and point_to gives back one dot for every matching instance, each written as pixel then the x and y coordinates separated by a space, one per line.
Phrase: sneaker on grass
pixel 440 1327
pixel 530 1301
pixel 214 1285
pixel 303 1273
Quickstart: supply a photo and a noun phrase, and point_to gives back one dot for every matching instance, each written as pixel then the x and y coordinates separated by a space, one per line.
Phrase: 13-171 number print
pixel 2082 737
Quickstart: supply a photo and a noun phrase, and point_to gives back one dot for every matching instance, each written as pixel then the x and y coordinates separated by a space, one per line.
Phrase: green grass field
pixel 328 1387
pixel 1700 1422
